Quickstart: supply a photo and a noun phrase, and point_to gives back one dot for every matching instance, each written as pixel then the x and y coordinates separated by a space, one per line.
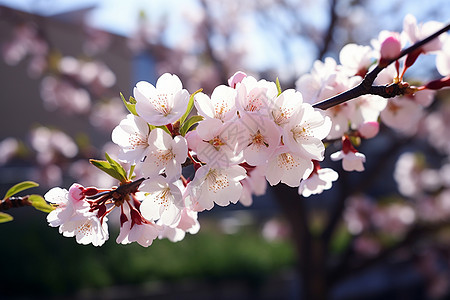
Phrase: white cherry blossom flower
pixel 253 95
pixel 327 79
pixel 259 138
pixel 317 182
pixel 188 223
pixel 221 105
pixel 214 185
pixel 164 154
pixel 86 229
pixel 136 229
pixel 403 114
pixel 367 109
pixel 285 106
pixel 356 59
pixel 287 167
pixel 255 183
pixel 416 32
pixel 352 160
pixel 443 59
pixel 132 137
pixel 67 204
pixel 74 217
pixel 163 104
pixel 305 131
pixel 216 144
pixel 164 201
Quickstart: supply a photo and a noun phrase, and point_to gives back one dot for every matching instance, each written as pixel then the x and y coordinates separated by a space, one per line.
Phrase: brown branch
pixel 330 30
pixel 366 87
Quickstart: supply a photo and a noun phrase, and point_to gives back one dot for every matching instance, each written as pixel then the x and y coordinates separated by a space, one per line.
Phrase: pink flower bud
pixel 369 130
pixel 236 78
pixel 390 47
pixel 76 192
pixel 438 84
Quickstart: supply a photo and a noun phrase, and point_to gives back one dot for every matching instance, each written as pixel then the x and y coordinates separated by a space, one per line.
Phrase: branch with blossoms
pixel 390 52
pixel 245 134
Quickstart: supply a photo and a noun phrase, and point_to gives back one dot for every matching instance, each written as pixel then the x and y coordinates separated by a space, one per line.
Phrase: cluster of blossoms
pixel 247 134
pixel 361 117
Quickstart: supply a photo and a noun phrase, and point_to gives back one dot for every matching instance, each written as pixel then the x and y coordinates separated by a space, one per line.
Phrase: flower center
pixel 216 181
pixel 287 161
pixel 161 104
pixel 301 132
pixel 163 197
pixel 216 142
pixel 258 139
pixel 137 141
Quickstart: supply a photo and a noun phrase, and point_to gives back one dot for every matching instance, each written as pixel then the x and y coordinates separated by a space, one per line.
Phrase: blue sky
pixel 120 17
pixel 117 16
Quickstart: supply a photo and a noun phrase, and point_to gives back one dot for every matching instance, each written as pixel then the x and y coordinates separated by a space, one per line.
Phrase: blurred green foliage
pixel 38 261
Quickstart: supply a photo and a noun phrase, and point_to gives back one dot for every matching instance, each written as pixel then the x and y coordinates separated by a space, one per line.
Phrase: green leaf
pixel 190 106
pixel 107 168
pixel 5 217
pixel 39 203
pixel 277 82
pixel 189 123
pixel 130 104
pixel 130 174
pixel 20 187
pixel 116 166
pixel 164 127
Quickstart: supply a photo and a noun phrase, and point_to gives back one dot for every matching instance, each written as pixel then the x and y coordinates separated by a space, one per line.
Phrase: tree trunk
pixel 311 251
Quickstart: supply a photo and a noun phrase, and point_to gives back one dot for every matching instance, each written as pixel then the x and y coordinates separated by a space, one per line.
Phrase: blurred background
pixel 63 66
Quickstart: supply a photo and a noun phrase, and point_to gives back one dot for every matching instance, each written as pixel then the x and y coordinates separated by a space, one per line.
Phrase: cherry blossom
pixel 288 168
pixel 136 229
pixel 403 114
pixel 285 106
pixel 259 138
pixel 187 223
pixel 216 143
pixel 74 217
pixel 214 185
pixel 163 202
pixel 164 154
pixel 305 131
pixel 356 59
pixel 221 105
pixel 415 32
pixel 369 130
pixel 318 181
pixel 236 78
pixel 390 46
pixel 253 95
pixel 163 104
pixel 254 184
pixel 132 136
pixel 67 204
pixel 87 230
pixel 443 59
pixel 352 160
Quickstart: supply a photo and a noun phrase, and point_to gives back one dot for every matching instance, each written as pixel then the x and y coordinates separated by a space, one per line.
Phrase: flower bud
pixel 369 130
pixel 76 192
pixel 390 47
pixel 236 78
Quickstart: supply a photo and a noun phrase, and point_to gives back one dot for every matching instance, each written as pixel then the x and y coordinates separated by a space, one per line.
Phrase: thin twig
pixel 366 87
